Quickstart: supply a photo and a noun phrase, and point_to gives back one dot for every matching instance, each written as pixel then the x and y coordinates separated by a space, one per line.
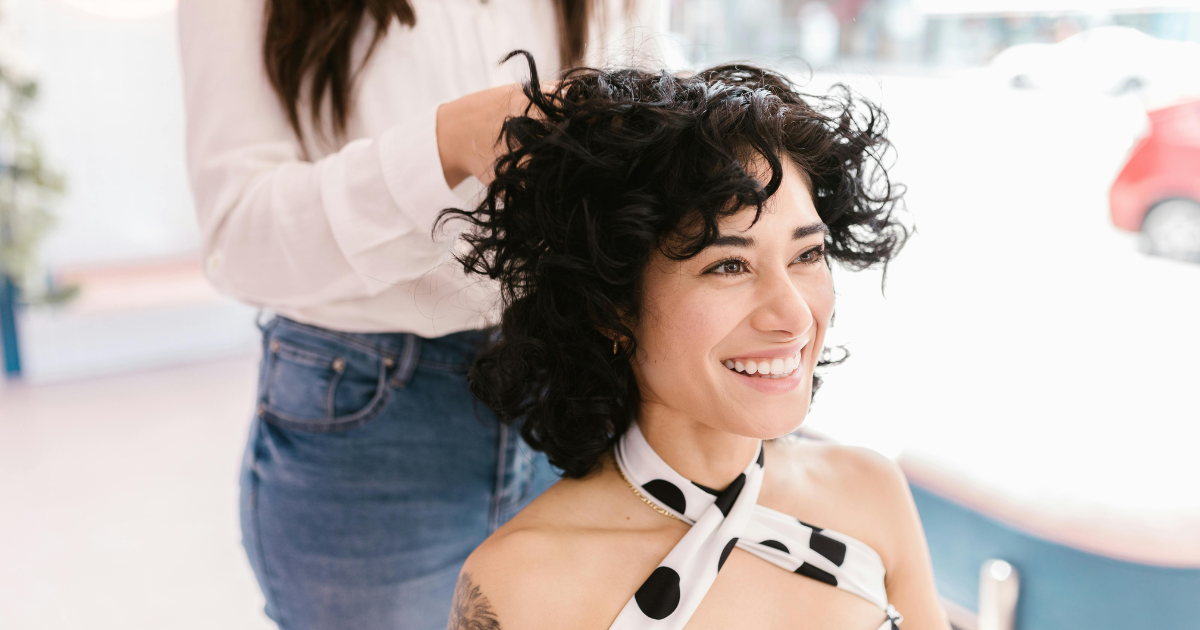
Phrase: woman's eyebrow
pixel 730 240
pixel 809 230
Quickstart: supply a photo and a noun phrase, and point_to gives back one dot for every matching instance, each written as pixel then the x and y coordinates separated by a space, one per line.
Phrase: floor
pixel 120 502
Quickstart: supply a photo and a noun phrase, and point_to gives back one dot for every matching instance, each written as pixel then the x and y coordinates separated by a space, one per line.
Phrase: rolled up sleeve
pixel 281 231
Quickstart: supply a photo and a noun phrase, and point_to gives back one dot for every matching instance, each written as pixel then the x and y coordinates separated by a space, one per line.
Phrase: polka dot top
pixel 722 520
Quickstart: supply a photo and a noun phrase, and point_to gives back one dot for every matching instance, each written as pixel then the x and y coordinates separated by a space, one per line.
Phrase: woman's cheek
pixel 701 322
pixel 822 303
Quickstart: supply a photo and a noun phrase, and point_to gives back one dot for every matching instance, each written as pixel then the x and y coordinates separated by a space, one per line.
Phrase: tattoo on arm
pixel 471 610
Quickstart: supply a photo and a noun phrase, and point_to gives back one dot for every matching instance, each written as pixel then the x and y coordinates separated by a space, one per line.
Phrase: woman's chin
pixel 767 421
pixel 768 393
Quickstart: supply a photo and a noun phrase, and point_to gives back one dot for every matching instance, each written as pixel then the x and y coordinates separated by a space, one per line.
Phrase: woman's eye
pixel 730 266
pixel 811 256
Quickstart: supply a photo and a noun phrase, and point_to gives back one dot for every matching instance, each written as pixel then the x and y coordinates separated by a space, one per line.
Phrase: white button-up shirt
pixel 343 239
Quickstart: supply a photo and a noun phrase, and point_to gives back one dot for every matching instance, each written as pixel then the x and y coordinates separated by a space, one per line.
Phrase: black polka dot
pixel 659 594
pixel 775 544
pixel 667 493
pixel 835 550
pixel 726 551
pixel 812 527
pixel 808 570
pixel 712 491
pixel 760 456
pixel 730 494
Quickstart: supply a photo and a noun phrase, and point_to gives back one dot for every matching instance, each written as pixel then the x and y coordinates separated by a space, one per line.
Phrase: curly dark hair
pixel 612 165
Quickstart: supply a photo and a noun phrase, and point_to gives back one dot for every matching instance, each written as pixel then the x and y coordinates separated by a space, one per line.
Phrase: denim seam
pixel 263 374
pixel 501 474
pixel 331 395
pixel 268 584
pixel 527 481
pixel 269 360
pixel 453 368
pixel 304 356
pixel 409 357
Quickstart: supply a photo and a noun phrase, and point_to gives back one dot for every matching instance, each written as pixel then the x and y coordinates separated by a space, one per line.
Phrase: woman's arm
pixel 909 581
pixel 281 231
pixel 468 130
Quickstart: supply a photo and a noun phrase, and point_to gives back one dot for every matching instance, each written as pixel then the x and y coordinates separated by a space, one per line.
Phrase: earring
pixel 614 347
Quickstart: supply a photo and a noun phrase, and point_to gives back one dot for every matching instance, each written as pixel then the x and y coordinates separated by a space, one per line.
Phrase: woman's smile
pixel 771 383
pixel 777 363
pixel 775 371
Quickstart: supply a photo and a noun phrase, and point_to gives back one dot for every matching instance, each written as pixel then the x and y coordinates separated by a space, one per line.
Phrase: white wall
pixel 110 116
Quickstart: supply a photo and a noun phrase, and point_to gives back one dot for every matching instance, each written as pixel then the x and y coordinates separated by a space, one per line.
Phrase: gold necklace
pixel 638 492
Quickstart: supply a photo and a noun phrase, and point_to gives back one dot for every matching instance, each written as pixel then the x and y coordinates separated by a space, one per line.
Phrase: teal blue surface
pixel 8 327
pixel 1061 588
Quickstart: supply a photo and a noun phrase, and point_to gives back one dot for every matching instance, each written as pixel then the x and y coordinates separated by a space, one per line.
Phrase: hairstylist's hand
pixel 468 130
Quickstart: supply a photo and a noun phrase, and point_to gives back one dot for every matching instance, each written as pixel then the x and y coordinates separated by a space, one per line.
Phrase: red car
pixel 1158 191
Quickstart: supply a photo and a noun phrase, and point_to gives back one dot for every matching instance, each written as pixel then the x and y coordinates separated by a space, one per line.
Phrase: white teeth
pixel 767 368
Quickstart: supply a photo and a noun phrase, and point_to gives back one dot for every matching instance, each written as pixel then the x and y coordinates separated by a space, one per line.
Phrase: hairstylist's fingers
pixel 468 130
pixel 518 104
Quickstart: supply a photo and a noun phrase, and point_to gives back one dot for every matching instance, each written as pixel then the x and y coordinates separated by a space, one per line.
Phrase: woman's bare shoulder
pixel 862 494
pixel 862 472
pixel 517 577
pixel 848 489
pixel 560 562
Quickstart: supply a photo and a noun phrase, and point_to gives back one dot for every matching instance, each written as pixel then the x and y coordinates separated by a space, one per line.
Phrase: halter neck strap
pixel 721 520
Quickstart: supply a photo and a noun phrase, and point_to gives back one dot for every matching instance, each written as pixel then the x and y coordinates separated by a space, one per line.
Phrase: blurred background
pixel 1033 362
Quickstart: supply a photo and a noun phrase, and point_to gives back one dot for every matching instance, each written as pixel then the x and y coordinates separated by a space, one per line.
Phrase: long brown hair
pixel 315 37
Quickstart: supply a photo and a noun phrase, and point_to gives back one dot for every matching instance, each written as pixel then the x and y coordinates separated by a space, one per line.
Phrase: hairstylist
pixel 324 137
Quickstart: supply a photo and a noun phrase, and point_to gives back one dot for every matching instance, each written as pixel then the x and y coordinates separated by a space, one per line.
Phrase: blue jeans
pixel 371 473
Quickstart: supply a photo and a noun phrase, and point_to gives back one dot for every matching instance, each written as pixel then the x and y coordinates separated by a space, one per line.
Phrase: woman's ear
pixel 604 325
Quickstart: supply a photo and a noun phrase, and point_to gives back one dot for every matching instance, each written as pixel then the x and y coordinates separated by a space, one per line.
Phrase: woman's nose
pixel 782 307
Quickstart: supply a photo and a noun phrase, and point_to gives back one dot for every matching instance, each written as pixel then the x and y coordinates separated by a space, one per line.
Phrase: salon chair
pixel 1004 561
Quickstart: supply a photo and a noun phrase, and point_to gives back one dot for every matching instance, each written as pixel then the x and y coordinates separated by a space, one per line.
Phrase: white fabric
pixel 669 597
pixel 344 240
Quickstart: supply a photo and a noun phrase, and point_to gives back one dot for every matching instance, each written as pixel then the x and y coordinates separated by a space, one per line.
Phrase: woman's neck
pixel 701 453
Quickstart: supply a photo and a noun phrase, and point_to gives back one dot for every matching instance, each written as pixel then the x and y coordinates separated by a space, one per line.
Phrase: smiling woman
pixel 626 171
pixel 663 244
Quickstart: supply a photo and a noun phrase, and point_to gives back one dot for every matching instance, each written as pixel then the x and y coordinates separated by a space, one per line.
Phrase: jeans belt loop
pixel 409 355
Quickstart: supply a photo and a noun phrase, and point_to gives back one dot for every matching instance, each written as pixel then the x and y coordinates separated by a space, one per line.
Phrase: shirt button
pixel 214 262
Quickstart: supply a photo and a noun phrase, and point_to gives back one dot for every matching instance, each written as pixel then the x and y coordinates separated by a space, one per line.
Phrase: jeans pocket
pixel 320 387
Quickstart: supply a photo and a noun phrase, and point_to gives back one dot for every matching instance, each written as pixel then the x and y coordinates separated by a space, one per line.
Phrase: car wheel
pixel 1172 229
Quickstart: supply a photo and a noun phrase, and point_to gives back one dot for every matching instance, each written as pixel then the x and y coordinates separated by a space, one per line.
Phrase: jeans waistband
pixel 453 351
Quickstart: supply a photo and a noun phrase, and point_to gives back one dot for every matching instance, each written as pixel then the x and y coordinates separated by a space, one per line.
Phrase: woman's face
pixel 730 337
